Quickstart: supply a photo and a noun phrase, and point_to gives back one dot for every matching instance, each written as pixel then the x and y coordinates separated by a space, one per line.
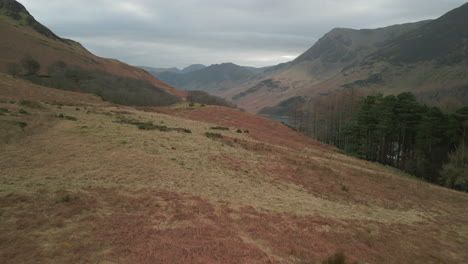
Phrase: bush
pixel 71 118
pixel 213 135
pixel 239 131
pixel 338 258
pixel 219 128
pixel 30 65
pixel 23 112
pixel 21 124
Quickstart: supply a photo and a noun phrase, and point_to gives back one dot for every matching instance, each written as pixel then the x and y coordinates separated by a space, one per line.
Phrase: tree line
pixel 392 130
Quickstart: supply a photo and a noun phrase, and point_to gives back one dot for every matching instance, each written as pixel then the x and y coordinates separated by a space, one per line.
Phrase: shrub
pixel 213 135
pixel 4 110
pixel 188 131
pixel 239 131
pixel 337 258
pixel 23 112
pixel 219 128
pixel 246 131
pixel 30 65
pixel 344 188
pixel 71 118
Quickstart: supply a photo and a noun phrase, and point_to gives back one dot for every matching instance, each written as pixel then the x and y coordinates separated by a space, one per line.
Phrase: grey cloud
pixel 177 33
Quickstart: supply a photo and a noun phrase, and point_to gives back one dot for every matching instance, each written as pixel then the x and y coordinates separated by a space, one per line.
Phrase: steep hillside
pixel 428 58
pixel 335 51
pixel 84 181
pixel 23 35
pixel 215 79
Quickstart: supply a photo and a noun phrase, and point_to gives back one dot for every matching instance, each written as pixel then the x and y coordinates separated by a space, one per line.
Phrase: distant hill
pixel 193 67
pixel 23 36
pixel 428 58
pixel 215 79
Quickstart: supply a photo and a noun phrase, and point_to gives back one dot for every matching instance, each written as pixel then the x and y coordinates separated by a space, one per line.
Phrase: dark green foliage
pixel 393 130
pixel 246 131
pixel 23 112
pixel 201 97
pixel 4 110
pixel 192 104
pixel 112 88
pixel 213 135
pixel 30 65
pixel 239 131
pixel 219 128
pixel 344 188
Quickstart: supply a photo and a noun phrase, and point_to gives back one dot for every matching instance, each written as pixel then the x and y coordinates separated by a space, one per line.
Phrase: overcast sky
pixel 167 33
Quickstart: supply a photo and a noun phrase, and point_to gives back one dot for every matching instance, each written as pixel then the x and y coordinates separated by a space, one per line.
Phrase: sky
pixel 177 33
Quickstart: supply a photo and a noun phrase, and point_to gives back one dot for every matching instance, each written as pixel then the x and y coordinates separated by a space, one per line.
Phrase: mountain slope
pixel 332 53
pixel 428 58
pixel 23 35
pixel 109 192
pixel 215 79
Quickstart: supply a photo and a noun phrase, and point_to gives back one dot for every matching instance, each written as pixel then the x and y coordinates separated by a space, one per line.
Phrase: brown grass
pixel 98 191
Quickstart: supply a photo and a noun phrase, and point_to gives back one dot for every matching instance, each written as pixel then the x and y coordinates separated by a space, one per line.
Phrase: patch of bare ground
pixel 94 188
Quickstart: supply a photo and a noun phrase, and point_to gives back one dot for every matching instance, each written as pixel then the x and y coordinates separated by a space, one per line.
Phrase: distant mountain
pixel 215 79
pixel 193 67
pixel 154 71
pixel 23 36
pixel 258 70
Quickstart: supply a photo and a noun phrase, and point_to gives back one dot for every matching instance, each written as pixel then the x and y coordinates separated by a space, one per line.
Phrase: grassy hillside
pixel 85 181
pixel 428 58
pixel 22 35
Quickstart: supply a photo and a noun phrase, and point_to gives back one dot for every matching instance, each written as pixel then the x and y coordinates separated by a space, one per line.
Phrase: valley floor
pixel 81 183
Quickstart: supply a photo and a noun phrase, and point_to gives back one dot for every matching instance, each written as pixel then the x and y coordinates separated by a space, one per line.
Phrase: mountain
pixel 215 79
pixel 23 36
pixel 193 67
pixel 86 181
pixel 154 71
pixel 428 58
